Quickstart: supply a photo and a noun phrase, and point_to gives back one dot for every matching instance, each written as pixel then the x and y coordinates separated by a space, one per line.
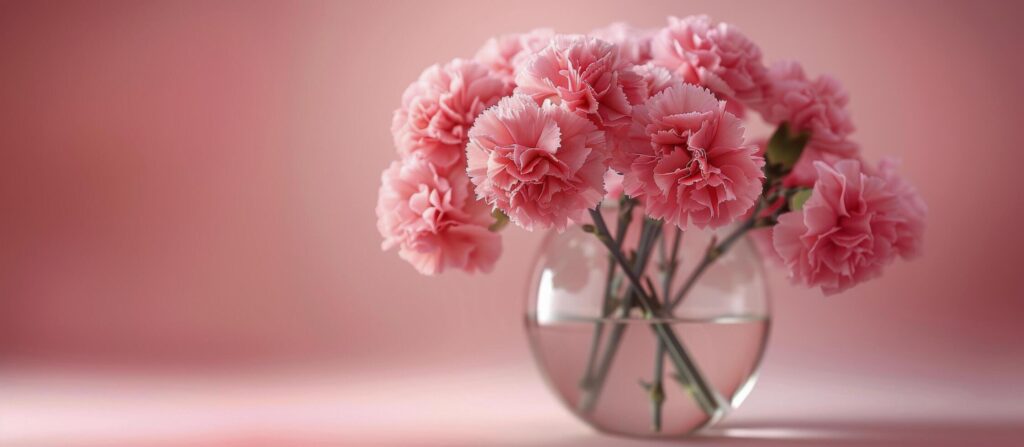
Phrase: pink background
pixel 189 186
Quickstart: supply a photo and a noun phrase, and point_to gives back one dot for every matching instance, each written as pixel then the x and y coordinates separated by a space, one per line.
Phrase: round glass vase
pixel 622 369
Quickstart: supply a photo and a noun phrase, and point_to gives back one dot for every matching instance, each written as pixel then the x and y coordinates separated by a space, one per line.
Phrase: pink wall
pixel 192 184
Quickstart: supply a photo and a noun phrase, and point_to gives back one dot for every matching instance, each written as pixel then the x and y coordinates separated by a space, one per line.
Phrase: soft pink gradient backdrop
pixel 191 185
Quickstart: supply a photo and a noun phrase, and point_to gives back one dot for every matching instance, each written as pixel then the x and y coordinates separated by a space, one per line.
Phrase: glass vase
pixel 624 371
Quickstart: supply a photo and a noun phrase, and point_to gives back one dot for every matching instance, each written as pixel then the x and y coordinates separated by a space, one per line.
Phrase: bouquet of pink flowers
pixel 537 129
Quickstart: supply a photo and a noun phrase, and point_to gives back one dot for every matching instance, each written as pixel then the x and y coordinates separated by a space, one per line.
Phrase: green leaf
pixel 500 220
pixel 657 392
pixel 784 148
pixel 796 203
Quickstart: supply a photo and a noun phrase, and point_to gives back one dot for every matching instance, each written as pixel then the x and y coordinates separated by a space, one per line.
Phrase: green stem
pixel 688 372
pixel 625 217
pixel 657 389
pixel 648 235
pixel 713 253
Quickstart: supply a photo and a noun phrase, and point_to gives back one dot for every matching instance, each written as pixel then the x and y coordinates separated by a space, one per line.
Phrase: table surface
pixel 471 406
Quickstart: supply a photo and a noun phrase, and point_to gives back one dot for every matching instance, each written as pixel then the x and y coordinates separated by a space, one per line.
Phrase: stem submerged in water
pixel 625 217
pixel 688 372
pixel 648 236
pixel 656 389
pixel 668 343
pixel 661 312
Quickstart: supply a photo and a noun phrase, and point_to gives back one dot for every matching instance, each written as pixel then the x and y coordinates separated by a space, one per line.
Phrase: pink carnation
pixel 657 78
pixel 503 53
pixel 717 56
pixel 816 106
pixel 541 165
pixel 433 219
pixel 910 231
pixel 439 108
pixel 685 157
pixel 634 44
pixel 852 225
pixel 583 75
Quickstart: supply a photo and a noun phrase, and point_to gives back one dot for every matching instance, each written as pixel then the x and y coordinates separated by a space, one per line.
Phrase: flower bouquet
pixel 540 129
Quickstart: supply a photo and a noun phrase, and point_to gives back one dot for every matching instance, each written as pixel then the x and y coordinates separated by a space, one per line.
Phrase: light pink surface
pixel 497 405
pixel 190 187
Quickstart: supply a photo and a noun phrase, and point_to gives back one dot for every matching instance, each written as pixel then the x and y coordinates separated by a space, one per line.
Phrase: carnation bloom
pixel 908 244
pixel 716 56
pixel 685 157
pixel 541 165
pixel 583 75
pixel 634 44
pixel 853 224
pixel 816 106
pixel 433 219
pixel 503 53
pixel 657 78
pixel 439 108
